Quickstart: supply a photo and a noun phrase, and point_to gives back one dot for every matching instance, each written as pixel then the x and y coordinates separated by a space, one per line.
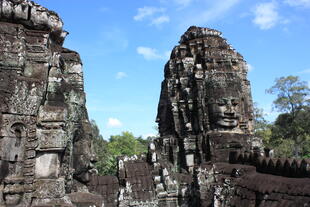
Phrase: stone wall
pixel 45 136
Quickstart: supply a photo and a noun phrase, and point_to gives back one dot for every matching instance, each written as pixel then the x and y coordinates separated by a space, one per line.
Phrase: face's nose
pixel 229 108
pixel 93 158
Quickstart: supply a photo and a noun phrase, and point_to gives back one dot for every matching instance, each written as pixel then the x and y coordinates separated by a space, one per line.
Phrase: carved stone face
pixel 84 167
pixel 224 112
pixel 223 95
pixel 83 156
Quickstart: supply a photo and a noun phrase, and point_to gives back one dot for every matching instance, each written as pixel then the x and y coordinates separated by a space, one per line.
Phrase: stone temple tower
pixel 205 109
pixel 206 154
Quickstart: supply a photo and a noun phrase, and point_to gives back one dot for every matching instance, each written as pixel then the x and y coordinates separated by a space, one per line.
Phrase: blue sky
pixel 124 45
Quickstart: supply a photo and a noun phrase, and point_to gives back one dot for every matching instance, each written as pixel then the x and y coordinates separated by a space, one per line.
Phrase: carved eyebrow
pixel 221 101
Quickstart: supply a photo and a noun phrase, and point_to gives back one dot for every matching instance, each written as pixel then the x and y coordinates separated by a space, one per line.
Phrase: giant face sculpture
pixel 225 111
pixel 83 154
pixel 223 94
pixel 42 106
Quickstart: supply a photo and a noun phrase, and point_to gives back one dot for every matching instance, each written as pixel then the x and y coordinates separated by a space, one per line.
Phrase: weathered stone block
pixel 47 165
pixel 30 154
pixel 37 38
pixel 15 125
pixel 50 188
pixel 48 113
pixel 36 71
pixel 27 97
pixel 21 11
pixel 86 199
pixel 13 150
pixel 190 160
pixel 51 139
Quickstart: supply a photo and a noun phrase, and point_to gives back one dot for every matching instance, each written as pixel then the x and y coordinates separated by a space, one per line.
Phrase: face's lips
pixel 227 121
pixel 229 117
pixel 230 120
pixel 93 171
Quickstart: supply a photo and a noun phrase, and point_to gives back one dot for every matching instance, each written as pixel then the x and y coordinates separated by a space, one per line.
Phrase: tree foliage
pixel 118 145
pixel 262 127
pixel 124 144
pixel 293 127
pixel 290 133
pixel 292 94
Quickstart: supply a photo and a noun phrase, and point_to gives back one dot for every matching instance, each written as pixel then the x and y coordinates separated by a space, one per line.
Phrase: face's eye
pixel 211 101
pixel 221 102
pixel 234 102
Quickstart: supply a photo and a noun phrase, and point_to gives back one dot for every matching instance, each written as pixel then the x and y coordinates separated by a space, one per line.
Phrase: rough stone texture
pixel 206 154
pixel 205 118
pixel 107 186
pixel 45 140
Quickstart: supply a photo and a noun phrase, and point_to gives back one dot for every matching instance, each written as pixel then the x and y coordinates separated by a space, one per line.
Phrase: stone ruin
pixel 206 154
pixel 45 137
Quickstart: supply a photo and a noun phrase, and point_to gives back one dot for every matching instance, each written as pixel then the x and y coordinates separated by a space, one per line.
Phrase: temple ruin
pixel 206 154
pixel 46 155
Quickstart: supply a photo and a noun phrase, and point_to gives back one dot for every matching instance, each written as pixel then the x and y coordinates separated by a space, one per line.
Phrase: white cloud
pixel 183 3
pixel 250 67
pixel 150 53
pixel 120 75
pixel 216 10
pixel 298 3
pixel 305 71
pixel 114 123
pixel 160 20
pixel 155 15
pixel 103 9
pixel 147 12
pixel 266 15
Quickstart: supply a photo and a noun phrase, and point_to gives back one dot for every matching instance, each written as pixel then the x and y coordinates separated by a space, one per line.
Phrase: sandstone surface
pixel 45 139
pixel 206 154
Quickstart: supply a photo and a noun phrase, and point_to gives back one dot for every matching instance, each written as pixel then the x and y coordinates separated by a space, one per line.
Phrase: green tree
pixel 295 128
pixel 262 127
pixel 118 145
pixel 292 94
pixel 124 144
pixel 283 147
pixel 293 124
pixel 145 142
